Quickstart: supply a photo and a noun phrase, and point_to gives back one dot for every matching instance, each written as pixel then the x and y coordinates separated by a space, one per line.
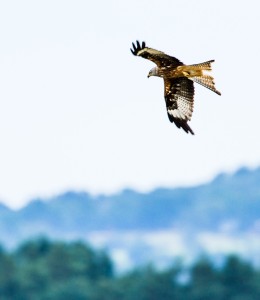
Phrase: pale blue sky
pixel 78 112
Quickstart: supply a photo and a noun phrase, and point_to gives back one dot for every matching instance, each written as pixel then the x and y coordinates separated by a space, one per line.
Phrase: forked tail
pixel 207 81
pixel 196 74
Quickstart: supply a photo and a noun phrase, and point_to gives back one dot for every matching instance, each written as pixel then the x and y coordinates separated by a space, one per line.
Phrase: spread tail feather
pixel 207 81
pixel 196 74
pixel 202 66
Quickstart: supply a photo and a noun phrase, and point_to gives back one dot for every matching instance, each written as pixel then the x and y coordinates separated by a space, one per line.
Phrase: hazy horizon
pixel 51 195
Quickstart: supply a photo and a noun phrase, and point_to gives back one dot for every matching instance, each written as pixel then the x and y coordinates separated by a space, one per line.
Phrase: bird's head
pixel 153 72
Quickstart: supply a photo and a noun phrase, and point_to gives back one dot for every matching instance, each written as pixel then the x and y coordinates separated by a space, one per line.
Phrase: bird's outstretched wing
pixel 179 93
pixel 160 58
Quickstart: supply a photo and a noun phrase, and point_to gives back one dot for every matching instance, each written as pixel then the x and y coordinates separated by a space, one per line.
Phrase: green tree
pixel 44 270
pixel 54 269
pixel 74 289
pixel 240 280
pixel 9 283
pixel 205 283
pixel 75 260
pixel 149 284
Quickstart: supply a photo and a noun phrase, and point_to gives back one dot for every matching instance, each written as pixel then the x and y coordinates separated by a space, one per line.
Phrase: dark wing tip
pixel 186 127
pixel 137 47
pixel 181 124
pixel 192 132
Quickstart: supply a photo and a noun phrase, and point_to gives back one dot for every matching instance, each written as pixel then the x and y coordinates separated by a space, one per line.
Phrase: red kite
pixel 178 82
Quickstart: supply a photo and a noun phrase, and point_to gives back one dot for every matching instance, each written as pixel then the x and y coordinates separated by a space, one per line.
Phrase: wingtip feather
pixel 137 47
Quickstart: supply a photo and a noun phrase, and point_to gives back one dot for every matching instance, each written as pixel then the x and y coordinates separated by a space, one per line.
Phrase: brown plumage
pixel 178 82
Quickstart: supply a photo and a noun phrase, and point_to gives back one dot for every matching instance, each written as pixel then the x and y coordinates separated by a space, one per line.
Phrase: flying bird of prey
pixel 178 82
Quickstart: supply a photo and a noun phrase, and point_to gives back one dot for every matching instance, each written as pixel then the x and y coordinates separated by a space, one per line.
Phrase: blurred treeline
pixel 41 269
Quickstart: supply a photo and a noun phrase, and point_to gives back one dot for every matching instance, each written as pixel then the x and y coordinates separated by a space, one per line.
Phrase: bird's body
pixel 178 82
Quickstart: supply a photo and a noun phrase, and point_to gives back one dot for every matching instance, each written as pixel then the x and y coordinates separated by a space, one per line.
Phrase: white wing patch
pixel 177 113
pixel 185 106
